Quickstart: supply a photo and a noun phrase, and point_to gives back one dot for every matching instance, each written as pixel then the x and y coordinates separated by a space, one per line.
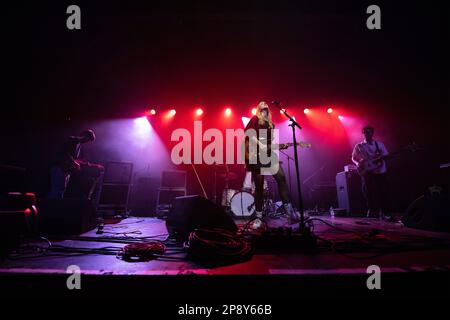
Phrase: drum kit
pixel 241 202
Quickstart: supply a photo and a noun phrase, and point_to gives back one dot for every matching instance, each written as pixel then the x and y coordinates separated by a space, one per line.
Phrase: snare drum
pixel 243 204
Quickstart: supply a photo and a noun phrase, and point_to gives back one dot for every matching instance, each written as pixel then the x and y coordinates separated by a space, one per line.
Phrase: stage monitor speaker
pixel 194 212
pixel 349 192
pixel 430 211
pixel 66 216
pixel 167 197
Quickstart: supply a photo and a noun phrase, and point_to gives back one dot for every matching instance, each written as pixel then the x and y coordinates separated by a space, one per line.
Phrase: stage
pixel 412 262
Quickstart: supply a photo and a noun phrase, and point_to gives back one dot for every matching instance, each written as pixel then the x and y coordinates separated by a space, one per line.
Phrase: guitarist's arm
pixel 384 151
pixel 357 157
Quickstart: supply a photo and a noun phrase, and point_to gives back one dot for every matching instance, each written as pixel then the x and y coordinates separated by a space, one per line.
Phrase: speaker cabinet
pixel 115 187
pixel 173 180
pixel 193 212
pixel 114 195
pixel 66 216
pixel 118 172
pixel 349 193
pixel 144 197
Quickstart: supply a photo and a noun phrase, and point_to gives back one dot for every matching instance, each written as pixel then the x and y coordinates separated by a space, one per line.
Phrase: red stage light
pixel 228 112
pixel 306 111
pixel 150 112
pixel 330 110
pixel 199 111
pixel 172 113
pixel 254 111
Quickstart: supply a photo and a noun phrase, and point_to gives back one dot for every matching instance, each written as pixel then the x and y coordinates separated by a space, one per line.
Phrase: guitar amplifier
pixel 144 196
pixel 349 193
pixel 173 179
pixel 118 172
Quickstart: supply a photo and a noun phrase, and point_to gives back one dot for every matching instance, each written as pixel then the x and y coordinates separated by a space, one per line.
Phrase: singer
pixel 263 121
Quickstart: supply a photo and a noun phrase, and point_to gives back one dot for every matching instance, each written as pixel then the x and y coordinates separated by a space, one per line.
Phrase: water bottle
pixel 332 211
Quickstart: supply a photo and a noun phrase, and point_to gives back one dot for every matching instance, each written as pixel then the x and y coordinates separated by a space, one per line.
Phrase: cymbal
pixel 231 175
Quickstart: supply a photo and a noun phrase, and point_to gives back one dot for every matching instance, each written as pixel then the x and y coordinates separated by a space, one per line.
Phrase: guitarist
pixel 263 120
pixel 67 162
pixel 374 182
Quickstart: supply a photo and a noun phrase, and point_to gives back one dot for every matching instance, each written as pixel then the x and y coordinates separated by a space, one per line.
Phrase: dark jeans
pixel 59 179
pixel 375 188
pixel 280 178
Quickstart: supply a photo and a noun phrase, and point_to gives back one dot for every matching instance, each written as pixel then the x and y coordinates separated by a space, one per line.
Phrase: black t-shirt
pixel 69 151
pixel 265 139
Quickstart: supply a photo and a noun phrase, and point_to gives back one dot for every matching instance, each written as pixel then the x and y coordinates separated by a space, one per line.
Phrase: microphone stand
pixel 293 125
pixel 289 158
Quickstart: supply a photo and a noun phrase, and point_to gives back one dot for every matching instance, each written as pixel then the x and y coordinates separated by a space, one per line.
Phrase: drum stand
pixel 227 193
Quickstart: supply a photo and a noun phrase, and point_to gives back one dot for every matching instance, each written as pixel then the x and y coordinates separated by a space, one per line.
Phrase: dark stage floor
pixel 397 250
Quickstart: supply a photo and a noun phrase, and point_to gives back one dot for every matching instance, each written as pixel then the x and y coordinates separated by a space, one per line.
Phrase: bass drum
pixel 243 204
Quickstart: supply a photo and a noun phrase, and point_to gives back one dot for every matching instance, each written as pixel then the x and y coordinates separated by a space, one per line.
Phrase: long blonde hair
pixel 261 119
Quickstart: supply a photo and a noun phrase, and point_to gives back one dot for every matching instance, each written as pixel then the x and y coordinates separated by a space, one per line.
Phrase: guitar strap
pixel 378 151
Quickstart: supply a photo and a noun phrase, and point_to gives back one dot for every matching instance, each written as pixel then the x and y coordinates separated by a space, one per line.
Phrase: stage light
pixel 142 127
pixel 306 111
pixel 199 111
pixel 150 112
pixel 330 110
pixel 172 113
pixel 254 111
pixel 228 112
pixel 340 117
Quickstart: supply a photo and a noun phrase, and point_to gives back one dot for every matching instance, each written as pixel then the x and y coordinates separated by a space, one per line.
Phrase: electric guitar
pixel 77 165
pixel 369 165
pixel 251 156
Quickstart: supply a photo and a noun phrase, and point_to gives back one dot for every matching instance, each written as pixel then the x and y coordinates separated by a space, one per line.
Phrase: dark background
pixel 130 55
